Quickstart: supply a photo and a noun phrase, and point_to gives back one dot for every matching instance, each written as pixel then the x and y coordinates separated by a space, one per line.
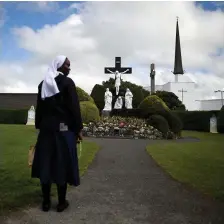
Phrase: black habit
pixel 55 159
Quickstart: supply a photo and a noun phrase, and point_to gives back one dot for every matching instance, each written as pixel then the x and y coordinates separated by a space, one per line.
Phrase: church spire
pixel 178 68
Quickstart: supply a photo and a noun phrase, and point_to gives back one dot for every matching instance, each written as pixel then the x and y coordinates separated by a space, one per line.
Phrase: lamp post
pixel 220 91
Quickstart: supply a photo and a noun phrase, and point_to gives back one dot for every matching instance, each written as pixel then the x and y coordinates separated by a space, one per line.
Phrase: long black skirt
pixel 55 158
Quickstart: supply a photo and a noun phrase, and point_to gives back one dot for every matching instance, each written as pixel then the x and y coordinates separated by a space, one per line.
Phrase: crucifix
pixel 117 70
pixel 182 93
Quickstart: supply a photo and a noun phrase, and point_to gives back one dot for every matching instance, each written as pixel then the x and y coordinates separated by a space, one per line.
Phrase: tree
pixel 97 94
pixel 137 96
pixel 171 100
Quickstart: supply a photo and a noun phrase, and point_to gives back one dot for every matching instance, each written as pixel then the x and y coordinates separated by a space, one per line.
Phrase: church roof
pixel 210 100
pixel 17 100
pixel 178 67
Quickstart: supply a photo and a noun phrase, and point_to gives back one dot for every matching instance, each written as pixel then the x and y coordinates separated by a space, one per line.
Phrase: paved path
pixel 125 186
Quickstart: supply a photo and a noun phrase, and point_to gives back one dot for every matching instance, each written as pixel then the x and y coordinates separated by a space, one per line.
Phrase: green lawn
pixel 200 164
pixel 17 188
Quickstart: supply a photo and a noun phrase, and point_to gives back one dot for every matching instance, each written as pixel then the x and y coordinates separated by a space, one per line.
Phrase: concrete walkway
pixel 125 186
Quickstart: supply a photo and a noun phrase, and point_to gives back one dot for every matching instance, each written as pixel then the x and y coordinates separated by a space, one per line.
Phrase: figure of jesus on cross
pixel 117 71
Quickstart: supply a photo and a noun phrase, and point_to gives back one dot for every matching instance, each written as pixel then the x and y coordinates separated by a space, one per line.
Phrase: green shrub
pixel 13 116
pixel 83 96
pixel 160 123
pixel 89 111
pixel 175 123
pixel 195 120
pixel 220 121
pixel 151 105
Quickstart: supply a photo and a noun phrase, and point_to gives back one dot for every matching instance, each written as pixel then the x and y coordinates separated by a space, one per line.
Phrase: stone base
pixel 30 122
pixel 135 112
pixel 105 113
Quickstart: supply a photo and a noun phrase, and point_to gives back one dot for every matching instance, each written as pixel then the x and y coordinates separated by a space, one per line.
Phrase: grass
pixel 199 164
pixel 17 188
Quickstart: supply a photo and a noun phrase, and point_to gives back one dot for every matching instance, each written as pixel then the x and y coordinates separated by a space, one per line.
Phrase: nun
pixel 58 119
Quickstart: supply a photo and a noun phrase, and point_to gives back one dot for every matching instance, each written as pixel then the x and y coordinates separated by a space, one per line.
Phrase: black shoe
pixel 46 206
pixel 62 206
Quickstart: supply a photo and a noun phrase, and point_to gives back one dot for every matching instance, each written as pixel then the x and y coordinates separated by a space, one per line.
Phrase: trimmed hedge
pixel 83 96
pixel 89 111
pixel 220 121
pixel 174 122
pixel 151 105
pixel 196 120
pixel 13 116
pixel 160 123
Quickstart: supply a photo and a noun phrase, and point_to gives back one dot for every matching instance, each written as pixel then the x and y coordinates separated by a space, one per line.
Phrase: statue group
pixel 117 71
pixel 108 97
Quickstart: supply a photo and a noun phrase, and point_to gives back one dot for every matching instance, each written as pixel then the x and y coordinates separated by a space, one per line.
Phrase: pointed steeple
pixel 178 68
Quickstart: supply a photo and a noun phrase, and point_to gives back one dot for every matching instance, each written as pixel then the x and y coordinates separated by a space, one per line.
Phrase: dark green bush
pixel 175 123
pixel 89 111
pixel 195 120
pixel 160 123
pixel 13 116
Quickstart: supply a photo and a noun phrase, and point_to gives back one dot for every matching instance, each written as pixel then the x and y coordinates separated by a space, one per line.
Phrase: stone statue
pixel 117 79
pixel 128 99
pixel 107 100
pixel 31 116
pixel 118 103
pixel 213 124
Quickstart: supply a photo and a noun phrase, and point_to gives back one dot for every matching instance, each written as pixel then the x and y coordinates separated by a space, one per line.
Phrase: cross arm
pixel 109 70
pixel 125 71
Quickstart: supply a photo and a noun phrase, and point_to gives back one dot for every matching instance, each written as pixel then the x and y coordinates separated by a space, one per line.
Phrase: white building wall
pixel 157 88
pixel 167 87
pixel 213 104
pixel 188 97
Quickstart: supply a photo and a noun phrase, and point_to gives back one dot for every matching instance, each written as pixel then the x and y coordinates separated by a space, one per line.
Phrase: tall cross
pixel 117 67
pixel 182 93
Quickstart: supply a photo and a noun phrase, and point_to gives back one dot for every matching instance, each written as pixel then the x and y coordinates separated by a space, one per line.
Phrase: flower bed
pixel 121 127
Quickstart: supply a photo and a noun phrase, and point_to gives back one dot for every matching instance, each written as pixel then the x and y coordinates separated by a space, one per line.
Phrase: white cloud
pixel 139 32
pixel 38 6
